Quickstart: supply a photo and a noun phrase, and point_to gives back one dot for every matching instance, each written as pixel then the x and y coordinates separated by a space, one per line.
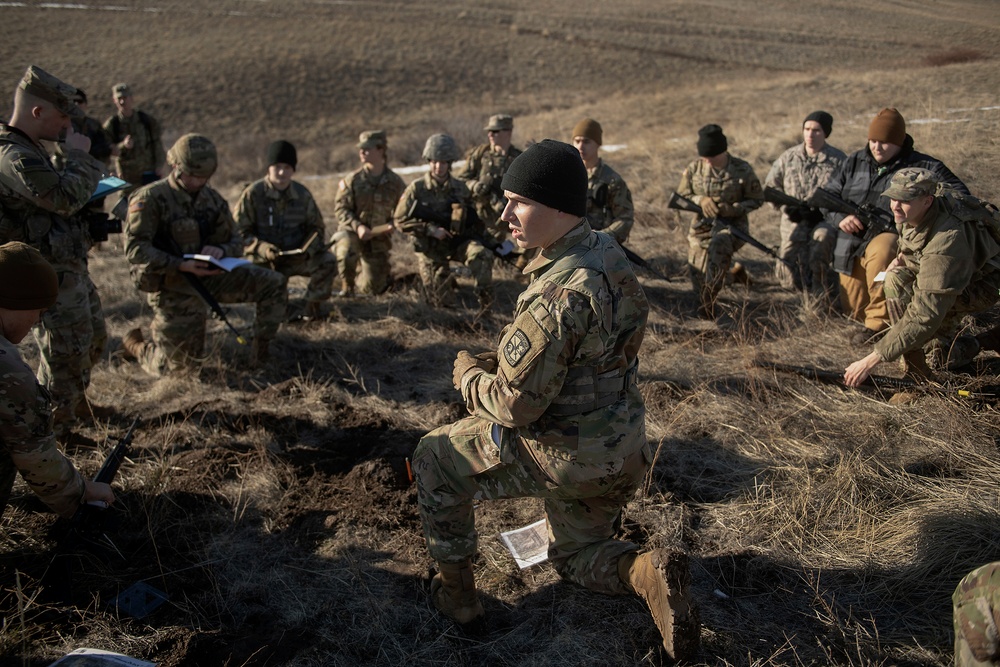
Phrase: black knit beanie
pixel 551 173
pixel 711 141
pixel 282 152
pixel 824 119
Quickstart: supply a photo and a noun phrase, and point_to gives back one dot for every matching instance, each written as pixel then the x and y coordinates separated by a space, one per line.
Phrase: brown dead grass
pixel 826 527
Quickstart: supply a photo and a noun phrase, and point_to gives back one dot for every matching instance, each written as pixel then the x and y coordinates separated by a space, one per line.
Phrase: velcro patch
pixel 136 206
pixel 516 348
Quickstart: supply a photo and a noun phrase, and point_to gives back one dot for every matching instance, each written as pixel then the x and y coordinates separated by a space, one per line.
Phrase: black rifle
pixel 420 211
pixel 876 382
pixel 875 220
pixel 107 473
pixel 641 263
pixel 197 285
pixel 682 203
pixel 796 209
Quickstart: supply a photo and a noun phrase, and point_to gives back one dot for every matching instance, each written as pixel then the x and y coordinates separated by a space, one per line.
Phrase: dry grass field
pixel 825 526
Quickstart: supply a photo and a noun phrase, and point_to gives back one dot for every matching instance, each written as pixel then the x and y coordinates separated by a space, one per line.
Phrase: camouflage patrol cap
pixel 44 86
pixel 373 139
pixel 500 122
pixel 121 89
pixel 910 183
pixel 441 148
pixel 194 155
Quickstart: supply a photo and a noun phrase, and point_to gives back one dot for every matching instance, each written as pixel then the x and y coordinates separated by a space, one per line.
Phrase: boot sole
pixel 676 617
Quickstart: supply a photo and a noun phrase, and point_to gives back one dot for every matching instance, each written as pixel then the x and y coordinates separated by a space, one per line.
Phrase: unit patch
pixel 516 348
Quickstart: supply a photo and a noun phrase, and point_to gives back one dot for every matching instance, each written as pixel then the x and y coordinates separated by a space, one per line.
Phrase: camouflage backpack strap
pixel 972 209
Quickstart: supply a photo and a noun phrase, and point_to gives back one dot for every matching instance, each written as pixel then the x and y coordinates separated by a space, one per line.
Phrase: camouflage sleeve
pixel 26 434
pixel 776 178
pixel 622 210
pixel 145 214
pixel 245 216
pixel 976 617
pixel 344 208
pixel 753 194
pixel 686 187
pixel 224 234
pixel 404 221
pixel 31 175
pixel 533 356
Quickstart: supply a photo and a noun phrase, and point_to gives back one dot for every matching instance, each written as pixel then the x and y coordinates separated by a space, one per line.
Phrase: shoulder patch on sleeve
pixel 517 347
pixel 136 206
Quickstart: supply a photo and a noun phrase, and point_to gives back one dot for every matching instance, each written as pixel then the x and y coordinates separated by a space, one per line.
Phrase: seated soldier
pixel 434 211
pixel 283 228
pixel 948 266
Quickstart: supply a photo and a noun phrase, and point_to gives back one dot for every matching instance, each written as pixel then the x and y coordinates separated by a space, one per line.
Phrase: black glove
pixel 813 216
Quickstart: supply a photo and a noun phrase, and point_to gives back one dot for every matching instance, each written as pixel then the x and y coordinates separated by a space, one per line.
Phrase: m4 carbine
pixel 875 220
pixel 503 250
pixel 682 203
pixel 796 209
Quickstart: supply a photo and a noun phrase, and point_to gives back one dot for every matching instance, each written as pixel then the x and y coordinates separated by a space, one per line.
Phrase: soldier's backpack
pixel 973 209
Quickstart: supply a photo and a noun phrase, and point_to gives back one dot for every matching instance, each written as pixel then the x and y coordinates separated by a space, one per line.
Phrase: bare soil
pixel 272 505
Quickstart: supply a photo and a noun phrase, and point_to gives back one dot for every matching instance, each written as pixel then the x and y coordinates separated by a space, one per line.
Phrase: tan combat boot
pixel 453 590
pixel 915 366
pixel 347 287
pixel 133 344
pixel 661 579
pixel 738 275
pixel 314 310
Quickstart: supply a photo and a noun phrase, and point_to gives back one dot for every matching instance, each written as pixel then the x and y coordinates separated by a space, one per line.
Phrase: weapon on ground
pixel 877 382
pixel 504 250
pixel 108 469
pixel 875 220
pixel 641 263
pixel 682 203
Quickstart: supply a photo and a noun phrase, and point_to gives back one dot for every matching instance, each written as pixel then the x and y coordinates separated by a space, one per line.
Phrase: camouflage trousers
pixel 460 464
pixel 321 269
pixel 178 329
pixel 810 250
pixel 71 338
pixel 710 254
pixel 373 257
pixel 435 273
pixel 861 297
pixel 976 608
pixel 949 348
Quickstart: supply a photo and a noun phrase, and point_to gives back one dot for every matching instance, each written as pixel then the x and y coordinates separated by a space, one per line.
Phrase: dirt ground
pixel 272 506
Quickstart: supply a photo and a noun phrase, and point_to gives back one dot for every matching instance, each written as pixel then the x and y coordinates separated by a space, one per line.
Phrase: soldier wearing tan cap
pixel 365 203
pixel 484 168
pixel 609 201
pixel 40 206
pixel 136 138
pixel 28 287
pixel 948 266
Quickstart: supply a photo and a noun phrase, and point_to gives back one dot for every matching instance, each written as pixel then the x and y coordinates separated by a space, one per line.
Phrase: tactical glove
pixel 795 213
pixel 267 251
pixel 812 216
pixel 727 210
pixel 480 189
pixel 465 362
pixel 709 208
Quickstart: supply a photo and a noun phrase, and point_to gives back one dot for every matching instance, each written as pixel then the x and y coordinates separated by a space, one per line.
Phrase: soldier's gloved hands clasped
pixel 727 210
pixel 267 251
pixel 464 362
pixel 709 208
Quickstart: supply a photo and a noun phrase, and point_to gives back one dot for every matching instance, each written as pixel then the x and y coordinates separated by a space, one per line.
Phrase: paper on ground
pixel 93 657
pixel 528 545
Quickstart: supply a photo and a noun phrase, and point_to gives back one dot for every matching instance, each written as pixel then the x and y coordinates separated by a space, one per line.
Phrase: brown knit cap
pixel 590 128
pixel 888 127
pixel 27 281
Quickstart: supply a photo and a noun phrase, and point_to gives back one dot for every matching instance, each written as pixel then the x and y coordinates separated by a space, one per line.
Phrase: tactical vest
pixel 64 242
pixel 282 220
pixel 973 210
pixel 588 388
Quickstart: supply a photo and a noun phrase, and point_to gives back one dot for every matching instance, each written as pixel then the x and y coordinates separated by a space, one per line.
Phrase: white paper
pixel 94 657
pixel 880 277
pixel 226 263
pixel 528 545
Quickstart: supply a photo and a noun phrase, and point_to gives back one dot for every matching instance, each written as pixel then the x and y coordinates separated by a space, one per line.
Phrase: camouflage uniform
pixel 165 222
pixel 561 417
pixel 951 268
pixel 287 218
pixel 809 248
pixel 711 245
pixel 29 446
pixel 976 606
pixel 38 206
pixel 138 164
pixel 609 202
pixel 449 201
pixel 483 172
pixel 363 199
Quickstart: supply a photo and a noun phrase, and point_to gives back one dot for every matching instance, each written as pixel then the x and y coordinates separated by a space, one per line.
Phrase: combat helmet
pixel 441 148
pixel 194 155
